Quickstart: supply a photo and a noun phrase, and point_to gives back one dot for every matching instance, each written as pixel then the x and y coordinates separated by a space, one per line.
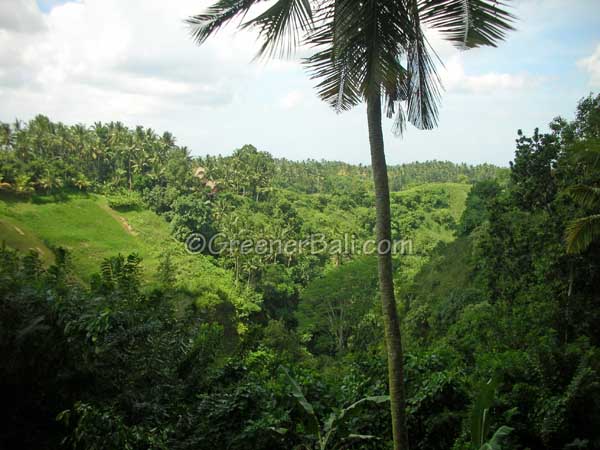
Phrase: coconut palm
pixel 374 51
pixel 7 137
pixel 581 232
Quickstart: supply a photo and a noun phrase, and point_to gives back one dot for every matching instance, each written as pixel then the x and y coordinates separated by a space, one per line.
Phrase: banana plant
pixel 480 420
pixel 328 435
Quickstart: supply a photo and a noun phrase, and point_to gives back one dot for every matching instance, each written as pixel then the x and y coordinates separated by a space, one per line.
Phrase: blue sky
pixel 133 61
pixel 46 5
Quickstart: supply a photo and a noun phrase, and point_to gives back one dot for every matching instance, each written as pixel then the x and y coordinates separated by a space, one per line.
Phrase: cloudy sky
pixel 133 61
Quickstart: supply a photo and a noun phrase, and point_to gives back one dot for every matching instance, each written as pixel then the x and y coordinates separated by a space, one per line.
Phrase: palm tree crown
pixel 364 45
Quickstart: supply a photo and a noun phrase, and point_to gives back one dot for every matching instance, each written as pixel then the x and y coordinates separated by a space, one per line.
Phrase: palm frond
pixel 396 110
pixel 423 84
pixel 387 35
pixel 587 196
pixel 202 26
pixel 368 46
pixel 281 25
pixel 335 61
pixel 497 440
pixel 338 85
pixel 468 23
pixel 587 153
pixel 581 233
pixel 359 50
pixel 396 92
pixel 419 84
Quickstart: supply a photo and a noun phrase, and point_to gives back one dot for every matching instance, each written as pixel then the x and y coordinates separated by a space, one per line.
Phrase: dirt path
pixel 122 220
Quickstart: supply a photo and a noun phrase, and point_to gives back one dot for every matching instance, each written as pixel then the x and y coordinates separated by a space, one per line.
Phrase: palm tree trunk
pixel 386 281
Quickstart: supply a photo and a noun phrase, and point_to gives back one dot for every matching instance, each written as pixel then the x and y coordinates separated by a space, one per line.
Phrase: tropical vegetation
pixel 115 335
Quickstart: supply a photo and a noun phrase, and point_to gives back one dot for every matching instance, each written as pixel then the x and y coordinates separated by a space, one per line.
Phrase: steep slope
pixel 427 215
pixel 86 226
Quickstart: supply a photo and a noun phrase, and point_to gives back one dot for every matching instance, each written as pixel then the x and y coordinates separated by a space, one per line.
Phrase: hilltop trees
pixel 105 156
pixel 246 172
pixel 47 156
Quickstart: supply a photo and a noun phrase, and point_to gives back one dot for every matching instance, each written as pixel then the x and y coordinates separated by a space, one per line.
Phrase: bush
pixel 125 201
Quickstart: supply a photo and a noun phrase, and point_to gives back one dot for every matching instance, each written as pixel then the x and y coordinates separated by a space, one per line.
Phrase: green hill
pixel 91 231
pixel 452 206
pixel 85 225
pixel 428 215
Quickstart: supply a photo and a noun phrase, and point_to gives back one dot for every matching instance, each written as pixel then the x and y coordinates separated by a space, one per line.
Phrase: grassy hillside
pixel 86 226
pixel 434 224
pixel 457 194
pixel 13 235
pixel 444 267
pixel 91 230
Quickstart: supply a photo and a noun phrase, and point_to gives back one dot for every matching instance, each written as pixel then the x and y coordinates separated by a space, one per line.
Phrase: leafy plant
pixel 124 201
pixel 331 433
pixel 480 420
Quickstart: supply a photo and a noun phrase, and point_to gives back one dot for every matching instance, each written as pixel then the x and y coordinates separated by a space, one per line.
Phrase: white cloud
pixel 291 100
pixel 136 56
pixel 20 16
pixel 591 65
pixel 134 61
pixel 454 78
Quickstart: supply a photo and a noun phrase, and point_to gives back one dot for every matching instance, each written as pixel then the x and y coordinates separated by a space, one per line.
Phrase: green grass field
pixel 84 225
pixel 13 234
pixel 431 232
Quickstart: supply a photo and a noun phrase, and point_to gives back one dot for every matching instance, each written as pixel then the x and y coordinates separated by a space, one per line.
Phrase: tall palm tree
pixel 374 51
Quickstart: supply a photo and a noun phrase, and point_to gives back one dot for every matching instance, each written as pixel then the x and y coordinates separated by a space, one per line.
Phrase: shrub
pixel 125 201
